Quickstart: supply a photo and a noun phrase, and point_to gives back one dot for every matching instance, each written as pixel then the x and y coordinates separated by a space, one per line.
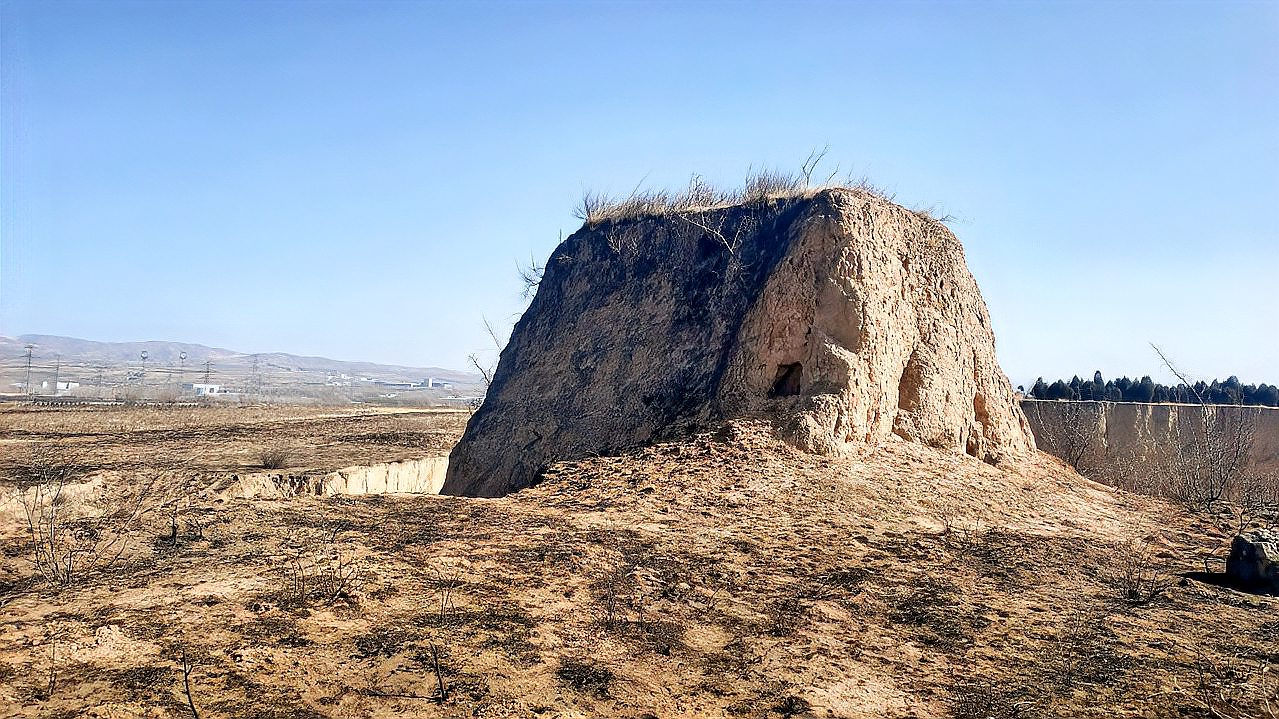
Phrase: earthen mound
pixel 844 318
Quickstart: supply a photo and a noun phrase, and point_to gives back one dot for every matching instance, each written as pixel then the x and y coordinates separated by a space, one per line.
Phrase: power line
pixel 27 384
pixel 255 380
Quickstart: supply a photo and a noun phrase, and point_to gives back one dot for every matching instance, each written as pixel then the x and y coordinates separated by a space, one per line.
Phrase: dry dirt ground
pixel 229 439
pixel 724 575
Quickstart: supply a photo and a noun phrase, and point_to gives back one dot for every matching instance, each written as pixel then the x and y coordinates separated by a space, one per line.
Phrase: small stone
pixel 1254 561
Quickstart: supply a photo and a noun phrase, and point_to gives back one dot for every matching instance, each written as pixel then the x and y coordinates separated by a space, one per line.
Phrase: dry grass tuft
pixel 1139 576
pixel 759 186
pixel 275 458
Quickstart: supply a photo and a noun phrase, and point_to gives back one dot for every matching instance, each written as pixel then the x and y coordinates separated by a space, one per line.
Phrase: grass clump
pixel 759 186
pixel 275 458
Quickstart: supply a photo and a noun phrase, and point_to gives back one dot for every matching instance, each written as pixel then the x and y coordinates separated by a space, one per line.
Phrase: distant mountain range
pixel 73 354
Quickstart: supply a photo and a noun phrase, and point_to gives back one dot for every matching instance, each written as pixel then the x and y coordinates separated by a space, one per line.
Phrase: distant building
pixel 61 386
pixel 396 385
pixel 434 383
pixel 469 401
pixel 203 390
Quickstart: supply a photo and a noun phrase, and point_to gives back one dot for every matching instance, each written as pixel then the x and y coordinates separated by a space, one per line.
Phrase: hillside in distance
pixel 88 362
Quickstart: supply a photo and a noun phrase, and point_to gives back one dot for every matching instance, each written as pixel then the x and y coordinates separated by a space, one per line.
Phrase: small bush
pixel 1084 651
pixel 381 642
pixel 791 706
pixel 960 531
pixel 934 608
pixel 1234 687
pixel 274 458
pixel 1138 576
pixel 615 591
pixel 318 569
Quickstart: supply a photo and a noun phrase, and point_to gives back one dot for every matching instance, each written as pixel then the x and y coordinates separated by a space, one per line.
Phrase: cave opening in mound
pixel 787 382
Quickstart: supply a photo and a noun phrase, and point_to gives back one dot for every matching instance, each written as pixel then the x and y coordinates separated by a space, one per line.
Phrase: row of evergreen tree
pixel 1147 390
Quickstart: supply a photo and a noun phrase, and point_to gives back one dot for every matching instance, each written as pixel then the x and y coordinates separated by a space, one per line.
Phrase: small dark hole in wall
pixel 787 382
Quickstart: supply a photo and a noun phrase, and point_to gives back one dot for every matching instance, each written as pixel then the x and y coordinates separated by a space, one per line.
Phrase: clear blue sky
pixel 359 180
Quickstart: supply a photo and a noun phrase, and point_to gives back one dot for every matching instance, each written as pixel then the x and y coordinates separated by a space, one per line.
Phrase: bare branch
pixel 485 372
pixel 530 277
pixel 439 675
pixel 810 164
pixel 188 666
pixel 730 246
pixel 497 342
pixel 53 669
pixel 1177 373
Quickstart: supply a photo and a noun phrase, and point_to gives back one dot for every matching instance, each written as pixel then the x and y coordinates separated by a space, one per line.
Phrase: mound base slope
pixel 727 575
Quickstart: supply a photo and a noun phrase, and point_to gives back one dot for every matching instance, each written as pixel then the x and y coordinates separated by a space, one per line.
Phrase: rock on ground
pixel 1254 560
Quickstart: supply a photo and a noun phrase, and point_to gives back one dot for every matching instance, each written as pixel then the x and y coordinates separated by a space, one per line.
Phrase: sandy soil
pixel 724 575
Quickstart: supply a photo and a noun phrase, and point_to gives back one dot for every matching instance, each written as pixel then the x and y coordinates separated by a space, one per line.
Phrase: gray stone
pixel 1254 560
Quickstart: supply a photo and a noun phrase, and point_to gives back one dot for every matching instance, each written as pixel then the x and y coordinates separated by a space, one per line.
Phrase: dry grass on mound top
pixel 759 186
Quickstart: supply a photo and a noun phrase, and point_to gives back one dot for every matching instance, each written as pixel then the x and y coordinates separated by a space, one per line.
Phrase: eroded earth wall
pixel 1119 428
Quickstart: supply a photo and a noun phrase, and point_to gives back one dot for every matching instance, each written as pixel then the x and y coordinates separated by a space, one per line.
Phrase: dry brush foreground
pixel 724 575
